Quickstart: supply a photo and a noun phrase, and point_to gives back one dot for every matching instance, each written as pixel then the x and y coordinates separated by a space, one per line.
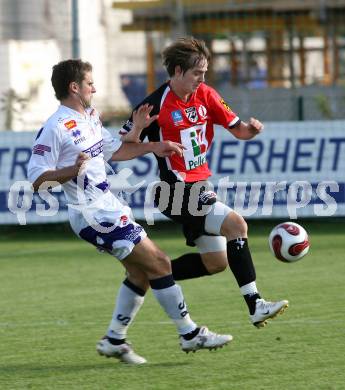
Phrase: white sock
pixel 127 305
pixel 249 289
pixel 172 301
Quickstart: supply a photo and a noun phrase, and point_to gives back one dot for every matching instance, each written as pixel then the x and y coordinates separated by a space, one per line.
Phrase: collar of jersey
pixel 77 113
pixel 175 94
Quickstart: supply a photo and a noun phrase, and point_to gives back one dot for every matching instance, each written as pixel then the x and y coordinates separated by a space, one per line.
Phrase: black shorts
pixel 185 202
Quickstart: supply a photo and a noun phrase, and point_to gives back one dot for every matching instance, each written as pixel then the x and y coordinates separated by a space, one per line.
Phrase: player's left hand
pixel 142 118
pixel 168 148
pixel 255 126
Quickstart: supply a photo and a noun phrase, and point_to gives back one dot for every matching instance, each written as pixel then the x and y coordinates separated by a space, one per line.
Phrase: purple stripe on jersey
pixel 41 149
pixel 95 149
pixel 85 181
pixel 104 186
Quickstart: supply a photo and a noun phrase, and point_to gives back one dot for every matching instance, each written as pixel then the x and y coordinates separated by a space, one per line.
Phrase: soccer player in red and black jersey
pixel 186 111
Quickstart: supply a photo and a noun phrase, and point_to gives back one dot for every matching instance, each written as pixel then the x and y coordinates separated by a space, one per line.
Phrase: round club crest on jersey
pixel 202 111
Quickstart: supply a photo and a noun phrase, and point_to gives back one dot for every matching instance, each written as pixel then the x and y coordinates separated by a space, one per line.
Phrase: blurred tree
pixel 13 105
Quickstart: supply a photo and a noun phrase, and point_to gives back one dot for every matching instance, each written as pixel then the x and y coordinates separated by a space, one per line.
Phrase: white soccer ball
pixel 289 242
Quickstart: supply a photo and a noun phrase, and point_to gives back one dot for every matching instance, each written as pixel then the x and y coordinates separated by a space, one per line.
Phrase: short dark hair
pixel 186 53
pixel 66 72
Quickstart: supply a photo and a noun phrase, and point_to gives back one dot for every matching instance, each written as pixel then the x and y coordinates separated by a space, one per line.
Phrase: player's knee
pixel 160 264
pixel 215 268
pixel 234 226
pixel 138 278
pixel 150 259
pixel 164 261
pixel 215 262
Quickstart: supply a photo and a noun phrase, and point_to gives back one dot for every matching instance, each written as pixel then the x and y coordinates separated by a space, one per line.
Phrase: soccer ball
pixel 289 242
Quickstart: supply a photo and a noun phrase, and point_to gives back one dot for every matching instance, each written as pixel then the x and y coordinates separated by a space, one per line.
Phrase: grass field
pixel 57 296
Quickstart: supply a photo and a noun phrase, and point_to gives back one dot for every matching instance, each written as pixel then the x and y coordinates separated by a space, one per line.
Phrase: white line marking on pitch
pixel 62 323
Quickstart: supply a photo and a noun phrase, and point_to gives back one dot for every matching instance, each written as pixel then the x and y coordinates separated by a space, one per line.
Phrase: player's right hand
pixel 255 126
pixel 80 161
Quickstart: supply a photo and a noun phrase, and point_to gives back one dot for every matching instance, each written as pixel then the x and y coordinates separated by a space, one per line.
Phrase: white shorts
pixel 108 225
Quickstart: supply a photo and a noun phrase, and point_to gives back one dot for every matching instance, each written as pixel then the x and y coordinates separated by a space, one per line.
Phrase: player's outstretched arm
pixel 62 175
pixel 130 150
pixel 246 131
pixel 141 120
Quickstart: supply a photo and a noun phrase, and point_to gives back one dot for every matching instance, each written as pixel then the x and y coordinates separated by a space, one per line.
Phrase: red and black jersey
pixel 191 124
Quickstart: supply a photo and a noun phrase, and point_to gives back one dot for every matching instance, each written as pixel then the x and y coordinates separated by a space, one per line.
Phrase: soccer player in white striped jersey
pixel 71 150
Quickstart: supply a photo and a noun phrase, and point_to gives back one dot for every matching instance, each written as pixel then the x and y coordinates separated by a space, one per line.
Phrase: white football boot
pixel 266 310
pixel 205 339
pixel 124 352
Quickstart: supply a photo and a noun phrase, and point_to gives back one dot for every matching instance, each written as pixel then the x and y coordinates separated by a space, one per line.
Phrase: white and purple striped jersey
pixel 65 134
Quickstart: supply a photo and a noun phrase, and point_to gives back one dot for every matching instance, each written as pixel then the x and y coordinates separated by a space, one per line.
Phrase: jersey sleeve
pixel 110 144
pixel 127 127
pixel 45 152
pixel 220 111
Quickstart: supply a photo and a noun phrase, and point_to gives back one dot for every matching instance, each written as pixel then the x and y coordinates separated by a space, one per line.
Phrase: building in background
pixel 273 59
pixel 276 59
pixel 36 34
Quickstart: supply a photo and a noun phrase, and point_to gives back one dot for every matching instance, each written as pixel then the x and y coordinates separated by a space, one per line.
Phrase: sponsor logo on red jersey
pixel 225 104
pixel 195 142
pixel 177 117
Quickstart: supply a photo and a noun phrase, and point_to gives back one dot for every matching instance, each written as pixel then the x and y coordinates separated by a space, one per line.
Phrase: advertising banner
pixel 293 169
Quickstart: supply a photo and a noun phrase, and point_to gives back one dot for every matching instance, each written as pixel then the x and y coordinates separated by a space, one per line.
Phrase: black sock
pixel 240 261
pixel 134 288
pixel 188 266
pixel 116 341
pixel 251 301
pixel 242 266
pixel 191 335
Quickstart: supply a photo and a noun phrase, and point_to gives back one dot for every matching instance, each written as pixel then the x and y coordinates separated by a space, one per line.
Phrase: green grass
pixel 57 297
